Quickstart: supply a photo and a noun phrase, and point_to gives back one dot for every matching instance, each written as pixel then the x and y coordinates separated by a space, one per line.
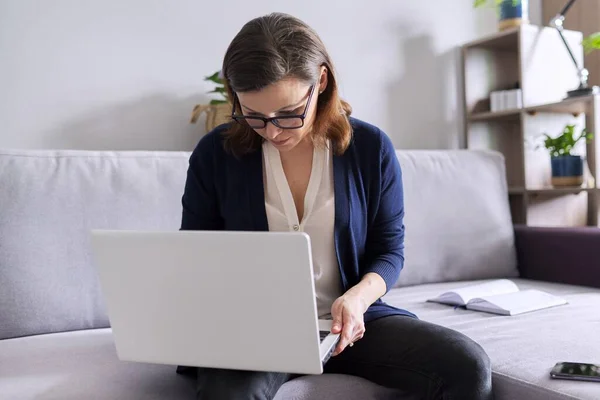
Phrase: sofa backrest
pixel 49 202
pixel 457 217
pixel 457 224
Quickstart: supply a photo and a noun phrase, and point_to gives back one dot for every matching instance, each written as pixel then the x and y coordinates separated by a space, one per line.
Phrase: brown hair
pixel 277 46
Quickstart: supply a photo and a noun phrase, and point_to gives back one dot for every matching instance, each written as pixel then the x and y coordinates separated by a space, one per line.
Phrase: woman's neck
pixel 301 150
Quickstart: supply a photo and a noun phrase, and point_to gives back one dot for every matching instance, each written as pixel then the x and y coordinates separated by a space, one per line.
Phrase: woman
pixel 294 160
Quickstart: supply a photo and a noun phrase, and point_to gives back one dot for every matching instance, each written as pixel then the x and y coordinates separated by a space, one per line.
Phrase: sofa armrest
pixel 565 255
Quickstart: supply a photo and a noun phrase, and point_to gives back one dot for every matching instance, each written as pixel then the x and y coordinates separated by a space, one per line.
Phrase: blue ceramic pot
pixel 513 13
pixel 567 170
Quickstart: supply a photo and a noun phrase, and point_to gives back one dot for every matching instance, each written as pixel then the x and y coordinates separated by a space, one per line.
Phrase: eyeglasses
pixel 283 122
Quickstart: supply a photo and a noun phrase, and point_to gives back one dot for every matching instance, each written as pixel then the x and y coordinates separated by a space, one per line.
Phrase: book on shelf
pixel 500 296
pixel 502 100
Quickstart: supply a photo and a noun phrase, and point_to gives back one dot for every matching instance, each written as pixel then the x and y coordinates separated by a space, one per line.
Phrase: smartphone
pixel 576 371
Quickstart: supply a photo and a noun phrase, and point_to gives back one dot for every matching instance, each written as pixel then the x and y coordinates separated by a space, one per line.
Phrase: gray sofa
pixel 55 340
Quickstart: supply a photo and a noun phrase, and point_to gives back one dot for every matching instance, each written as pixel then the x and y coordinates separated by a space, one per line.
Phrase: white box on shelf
pixel 501 100
pixel 505 100
pixel 495 101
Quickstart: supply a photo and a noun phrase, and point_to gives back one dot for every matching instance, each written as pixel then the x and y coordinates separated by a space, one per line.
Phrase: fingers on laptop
pixel 337 326
pixel 352 330
pixel 359 333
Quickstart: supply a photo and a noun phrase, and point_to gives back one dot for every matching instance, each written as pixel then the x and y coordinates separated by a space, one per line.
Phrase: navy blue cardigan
pixel 223 192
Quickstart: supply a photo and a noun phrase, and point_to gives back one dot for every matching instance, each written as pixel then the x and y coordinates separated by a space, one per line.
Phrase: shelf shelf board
pixel 570 106
pixel 505 115
pixel 560 190
pixel 505 40
pixel 516 190
pixel 575 105
pixel 555 191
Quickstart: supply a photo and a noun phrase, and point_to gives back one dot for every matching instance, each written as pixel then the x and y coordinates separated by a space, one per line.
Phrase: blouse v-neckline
pixel 276 166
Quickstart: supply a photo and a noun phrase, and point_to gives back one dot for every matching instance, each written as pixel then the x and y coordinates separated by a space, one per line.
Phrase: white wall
pixel 125 74
pixel 536 13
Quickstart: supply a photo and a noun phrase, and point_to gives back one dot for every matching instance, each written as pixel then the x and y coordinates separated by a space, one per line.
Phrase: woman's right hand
pixel 348 320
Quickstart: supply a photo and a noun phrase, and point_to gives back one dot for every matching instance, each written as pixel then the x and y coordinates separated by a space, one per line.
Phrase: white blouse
pixel 317 221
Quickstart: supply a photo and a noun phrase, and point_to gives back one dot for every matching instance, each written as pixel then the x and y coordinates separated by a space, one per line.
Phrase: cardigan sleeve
pixel 385 233
pixel 199 201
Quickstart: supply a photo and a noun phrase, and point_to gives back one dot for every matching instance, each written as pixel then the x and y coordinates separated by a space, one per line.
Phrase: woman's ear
pixel 323 79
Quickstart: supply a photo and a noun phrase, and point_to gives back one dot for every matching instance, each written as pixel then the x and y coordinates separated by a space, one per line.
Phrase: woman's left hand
pixel 348 319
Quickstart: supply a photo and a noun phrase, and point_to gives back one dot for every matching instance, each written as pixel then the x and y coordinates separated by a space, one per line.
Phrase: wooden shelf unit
pixel 574 106
pixel 507 39
pixel 551 190
pixel 534 59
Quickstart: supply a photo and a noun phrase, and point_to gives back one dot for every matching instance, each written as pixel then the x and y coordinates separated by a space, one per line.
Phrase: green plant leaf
pixel 563 144
pixel 216 101
pixel 591 43
pixel 221 90
pixel 493 3
pixel 214 78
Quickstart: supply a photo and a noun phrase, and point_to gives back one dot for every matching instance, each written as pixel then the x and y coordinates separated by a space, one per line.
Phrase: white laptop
pixel 235 300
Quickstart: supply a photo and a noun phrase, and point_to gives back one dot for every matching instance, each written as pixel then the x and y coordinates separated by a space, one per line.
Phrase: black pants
pixel 427 360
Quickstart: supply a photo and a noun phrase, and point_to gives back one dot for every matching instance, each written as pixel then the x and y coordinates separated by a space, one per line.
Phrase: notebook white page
pixel 515 303
pixel 462 296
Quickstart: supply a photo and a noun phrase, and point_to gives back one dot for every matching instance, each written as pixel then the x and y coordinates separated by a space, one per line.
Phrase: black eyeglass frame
pixel 242 119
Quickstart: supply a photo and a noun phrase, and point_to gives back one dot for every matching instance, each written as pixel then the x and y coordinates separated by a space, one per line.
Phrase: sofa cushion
pixel 523 348
pixel 458 221
pixel 84 365
pixel 48 203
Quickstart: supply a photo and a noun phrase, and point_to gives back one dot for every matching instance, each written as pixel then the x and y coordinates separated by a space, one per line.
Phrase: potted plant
pixel 511 13
pixel 567 168
pixel 218 111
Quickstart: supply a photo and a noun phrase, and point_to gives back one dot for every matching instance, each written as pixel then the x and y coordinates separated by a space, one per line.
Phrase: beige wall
pixel 584 16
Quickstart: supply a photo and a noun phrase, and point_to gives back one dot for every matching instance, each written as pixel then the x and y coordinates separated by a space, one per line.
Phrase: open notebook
pixel 501 296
